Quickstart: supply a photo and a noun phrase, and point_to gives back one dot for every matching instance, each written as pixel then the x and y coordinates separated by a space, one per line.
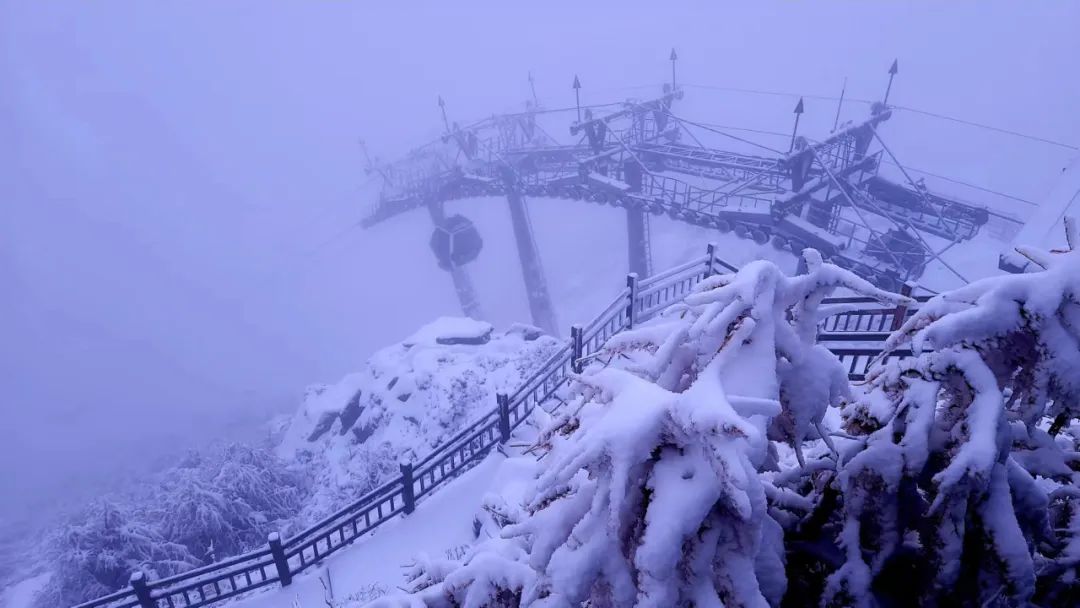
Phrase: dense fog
pixel 180 183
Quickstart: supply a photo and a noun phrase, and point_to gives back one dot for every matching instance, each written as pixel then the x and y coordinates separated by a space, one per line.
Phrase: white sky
pixel 167 168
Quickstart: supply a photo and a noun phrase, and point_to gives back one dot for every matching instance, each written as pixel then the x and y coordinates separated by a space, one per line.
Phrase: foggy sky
pixel 173 175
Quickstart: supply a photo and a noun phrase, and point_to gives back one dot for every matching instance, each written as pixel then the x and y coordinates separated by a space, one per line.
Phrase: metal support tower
pixel 827 194
pixel 637 235
pixel 532 271
pixel 637 225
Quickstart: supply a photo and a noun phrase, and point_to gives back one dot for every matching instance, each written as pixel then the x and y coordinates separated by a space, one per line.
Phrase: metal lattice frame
pixel 827 195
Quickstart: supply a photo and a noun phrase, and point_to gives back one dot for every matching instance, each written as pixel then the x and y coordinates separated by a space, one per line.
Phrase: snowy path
pixel 22 593
pixel 439 524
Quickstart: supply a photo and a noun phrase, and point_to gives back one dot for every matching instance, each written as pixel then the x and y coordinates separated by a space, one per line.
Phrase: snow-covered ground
pixel 21 594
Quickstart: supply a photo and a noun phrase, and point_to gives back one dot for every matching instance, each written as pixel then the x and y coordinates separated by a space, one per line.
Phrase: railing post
pixel 280 562
pixel 710 264
pixel 576 348
pixel 504 416
pixel 631 306
pixel 901 310
pixel 142 592
pixel 801 266
pixel 407 494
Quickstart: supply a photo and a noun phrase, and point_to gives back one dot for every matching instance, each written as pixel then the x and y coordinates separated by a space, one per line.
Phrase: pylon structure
pixel 641 156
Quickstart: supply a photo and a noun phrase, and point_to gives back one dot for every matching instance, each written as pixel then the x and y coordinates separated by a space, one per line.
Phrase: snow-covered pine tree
pixel 651 495
pixel 945 497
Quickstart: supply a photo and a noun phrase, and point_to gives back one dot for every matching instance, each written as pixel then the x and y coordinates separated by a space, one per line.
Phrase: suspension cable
pixel 719 132
pixel 774 93
pixel 967 184
pixel 970 123
pixel 980 125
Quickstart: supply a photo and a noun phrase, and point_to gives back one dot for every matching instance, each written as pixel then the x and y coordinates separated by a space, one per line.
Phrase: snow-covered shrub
pixel 211 506
pixel 360 597
pixel 651 493
pixel 229 503
pixel 97 554
pixel 946 494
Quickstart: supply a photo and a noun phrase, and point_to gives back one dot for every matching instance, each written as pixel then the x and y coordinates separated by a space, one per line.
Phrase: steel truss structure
pixel 642 157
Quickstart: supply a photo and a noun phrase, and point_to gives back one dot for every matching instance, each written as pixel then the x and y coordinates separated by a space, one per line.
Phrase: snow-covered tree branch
pixel 651 493
pixel 949 487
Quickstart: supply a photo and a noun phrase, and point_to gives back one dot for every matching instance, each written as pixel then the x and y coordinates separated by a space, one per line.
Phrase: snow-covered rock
pixel 451 330
pixel 407 399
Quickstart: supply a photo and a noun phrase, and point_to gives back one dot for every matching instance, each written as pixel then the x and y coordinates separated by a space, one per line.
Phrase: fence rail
pixel 855 334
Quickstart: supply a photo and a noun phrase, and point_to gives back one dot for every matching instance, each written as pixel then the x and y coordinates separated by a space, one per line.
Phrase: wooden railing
pixel 855 335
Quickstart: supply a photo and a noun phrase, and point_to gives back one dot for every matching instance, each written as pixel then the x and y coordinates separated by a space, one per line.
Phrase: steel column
pixel 540 307
pixel 637 225
pixel 637 240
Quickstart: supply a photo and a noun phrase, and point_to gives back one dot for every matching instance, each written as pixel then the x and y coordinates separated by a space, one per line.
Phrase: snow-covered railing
pixel 537 389
pixel 587 339
pixel 201 586
pixel 854 334
pixel 219 581
pixel 339 529
pixel 865 315
pixel 450 459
